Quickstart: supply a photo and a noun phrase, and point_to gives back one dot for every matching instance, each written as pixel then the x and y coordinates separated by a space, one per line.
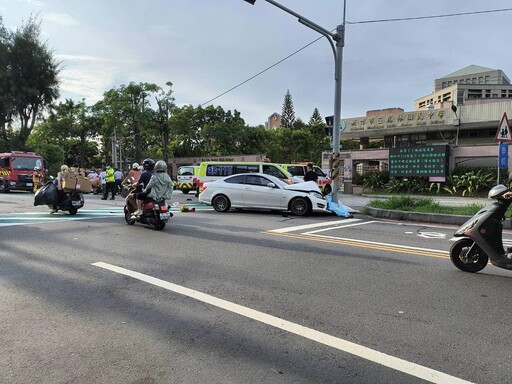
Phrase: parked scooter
pixel 154 213
pixel 58 200
pixel 482 236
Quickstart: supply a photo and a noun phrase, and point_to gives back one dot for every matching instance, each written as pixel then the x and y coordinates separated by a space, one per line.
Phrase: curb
pixel 435 218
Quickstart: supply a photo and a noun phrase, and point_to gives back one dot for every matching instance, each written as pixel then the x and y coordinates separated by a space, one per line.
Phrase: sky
pixel 206 47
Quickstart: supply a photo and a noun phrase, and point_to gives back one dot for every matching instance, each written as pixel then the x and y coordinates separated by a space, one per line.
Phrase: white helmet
pixel 135 166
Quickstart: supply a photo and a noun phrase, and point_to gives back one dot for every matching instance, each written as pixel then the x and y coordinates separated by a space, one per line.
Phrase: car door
pixel 257 194
pixel 233 187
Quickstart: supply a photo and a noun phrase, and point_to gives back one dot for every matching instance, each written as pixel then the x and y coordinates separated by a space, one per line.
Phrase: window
pixel 272 170
pixel 319 172
pixel 235 180
pixel 26 163
pixel 243 168
pixel 256 180
pixel 4 162
pixel 219 170
pixel 296 170
pixel 186 171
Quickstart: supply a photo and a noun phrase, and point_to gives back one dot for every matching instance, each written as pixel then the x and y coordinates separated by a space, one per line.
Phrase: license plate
pixel 73 203
pixel 164 216
pixel 29 184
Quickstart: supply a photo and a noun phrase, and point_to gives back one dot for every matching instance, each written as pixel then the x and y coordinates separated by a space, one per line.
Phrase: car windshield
pixel 186 171
pixel 26 163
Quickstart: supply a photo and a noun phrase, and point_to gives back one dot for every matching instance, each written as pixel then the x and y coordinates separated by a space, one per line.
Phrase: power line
pixel 355 22
pixel 265 70
pixel 429 17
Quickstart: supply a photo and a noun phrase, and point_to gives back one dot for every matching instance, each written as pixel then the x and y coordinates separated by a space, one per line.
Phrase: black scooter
pixel 482 236
pixel 59 200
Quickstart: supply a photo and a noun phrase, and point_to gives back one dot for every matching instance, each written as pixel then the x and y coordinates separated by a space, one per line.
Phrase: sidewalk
pixel 358 202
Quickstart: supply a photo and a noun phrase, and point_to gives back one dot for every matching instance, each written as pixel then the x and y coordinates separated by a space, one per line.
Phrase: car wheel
pixel 185 191
pixel 221 203
pixel 299 206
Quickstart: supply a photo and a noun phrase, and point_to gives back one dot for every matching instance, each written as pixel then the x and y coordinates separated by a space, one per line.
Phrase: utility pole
pixel 337 42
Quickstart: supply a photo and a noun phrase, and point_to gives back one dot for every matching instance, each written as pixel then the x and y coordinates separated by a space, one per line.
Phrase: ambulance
pixel 187 178
pixel 300 169
pixel 215 170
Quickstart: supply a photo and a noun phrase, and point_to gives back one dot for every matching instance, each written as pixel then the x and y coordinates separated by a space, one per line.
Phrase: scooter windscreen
pixel 497 191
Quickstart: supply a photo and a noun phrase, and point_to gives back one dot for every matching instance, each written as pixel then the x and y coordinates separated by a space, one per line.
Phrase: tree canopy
pixel 131 122
pixel 29 82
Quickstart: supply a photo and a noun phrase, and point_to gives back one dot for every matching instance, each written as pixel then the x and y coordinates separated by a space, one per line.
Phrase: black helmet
pixel 160 166
pixel 148 164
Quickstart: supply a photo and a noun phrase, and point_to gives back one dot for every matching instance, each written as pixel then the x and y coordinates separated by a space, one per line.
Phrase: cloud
pixel 61 19
pixel 36 3
pixel 88 77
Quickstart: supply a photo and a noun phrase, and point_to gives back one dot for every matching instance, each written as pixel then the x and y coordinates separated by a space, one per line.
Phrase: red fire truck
pixel 17 170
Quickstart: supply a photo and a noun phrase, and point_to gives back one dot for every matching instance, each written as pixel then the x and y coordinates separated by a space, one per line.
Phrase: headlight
pixel 318 195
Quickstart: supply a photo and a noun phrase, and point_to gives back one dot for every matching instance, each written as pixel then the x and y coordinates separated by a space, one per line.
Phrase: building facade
pixel 274 121
pixel 468 126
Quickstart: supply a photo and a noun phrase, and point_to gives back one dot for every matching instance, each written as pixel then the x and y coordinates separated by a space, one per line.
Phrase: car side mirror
pixel 271 185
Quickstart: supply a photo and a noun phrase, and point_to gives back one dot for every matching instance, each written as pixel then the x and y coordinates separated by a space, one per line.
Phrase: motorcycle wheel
pixel 127 217
pixel 73 211
pixel 159 225
pixel 468 259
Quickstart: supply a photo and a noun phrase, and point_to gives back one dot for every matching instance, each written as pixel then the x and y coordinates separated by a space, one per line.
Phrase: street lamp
pixel 337 42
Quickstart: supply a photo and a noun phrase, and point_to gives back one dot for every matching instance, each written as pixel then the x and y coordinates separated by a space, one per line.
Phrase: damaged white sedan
pixel 261 191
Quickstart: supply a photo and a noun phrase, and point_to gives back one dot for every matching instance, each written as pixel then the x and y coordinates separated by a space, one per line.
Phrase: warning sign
pixel 503 134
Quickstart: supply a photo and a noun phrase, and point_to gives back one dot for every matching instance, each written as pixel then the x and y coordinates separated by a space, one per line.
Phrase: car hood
pixel 306 186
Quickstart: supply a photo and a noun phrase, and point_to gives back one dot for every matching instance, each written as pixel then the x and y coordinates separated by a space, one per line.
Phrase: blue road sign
pixel 503 157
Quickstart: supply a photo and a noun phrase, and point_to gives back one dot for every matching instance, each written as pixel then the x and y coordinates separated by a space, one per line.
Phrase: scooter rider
pixel 147 165
pixel 160 185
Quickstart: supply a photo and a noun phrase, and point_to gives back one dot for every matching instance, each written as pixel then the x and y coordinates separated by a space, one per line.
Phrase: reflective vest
pixel 109 176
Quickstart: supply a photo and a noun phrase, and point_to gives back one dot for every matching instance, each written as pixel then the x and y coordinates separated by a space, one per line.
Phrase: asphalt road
pixel 242 297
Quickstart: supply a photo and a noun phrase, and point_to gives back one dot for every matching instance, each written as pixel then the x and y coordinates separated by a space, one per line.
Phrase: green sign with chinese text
pixel 419 161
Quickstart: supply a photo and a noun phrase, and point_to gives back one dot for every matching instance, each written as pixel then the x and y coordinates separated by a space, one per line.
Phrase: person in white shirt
pixel 103 181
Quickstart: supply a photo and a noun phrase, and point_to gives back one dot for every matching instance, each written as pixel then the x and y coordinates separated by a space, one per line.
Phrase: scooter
pixel 482 236
pixel 59 200
pixel 154 213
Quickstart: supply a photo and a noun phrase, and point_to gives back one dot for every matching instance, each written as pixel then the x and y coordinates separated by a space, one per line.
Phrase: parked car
pixel 261 191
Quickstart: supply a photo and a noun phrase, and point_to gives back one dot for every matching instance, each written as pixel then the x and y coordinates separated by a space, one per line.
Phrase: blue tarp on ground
pixel 338 208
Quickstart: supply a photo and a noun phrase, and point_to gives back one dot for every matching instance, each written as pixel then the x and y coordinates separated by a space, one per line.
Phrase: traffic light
pixel 329 120
pixel 251 1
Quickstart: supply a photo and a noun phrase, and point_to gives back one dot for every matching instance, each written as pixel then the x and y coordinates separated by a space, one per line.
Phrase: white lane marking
pixel 316 225
pixel 337 227
pixel 386 360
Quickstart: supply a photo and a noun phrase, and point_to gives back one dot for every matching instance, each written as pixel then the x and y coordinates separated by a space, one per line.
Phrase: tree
pixel 288 115
pixel 315 118
pixel 6 101
pixel 70 126
pixel 126 113
pixel 34 77
pixel 166 106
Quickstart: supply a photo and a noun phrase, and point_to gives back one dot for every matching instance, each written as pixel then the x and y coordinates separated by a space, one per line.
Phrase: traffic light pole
pixel 339 39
